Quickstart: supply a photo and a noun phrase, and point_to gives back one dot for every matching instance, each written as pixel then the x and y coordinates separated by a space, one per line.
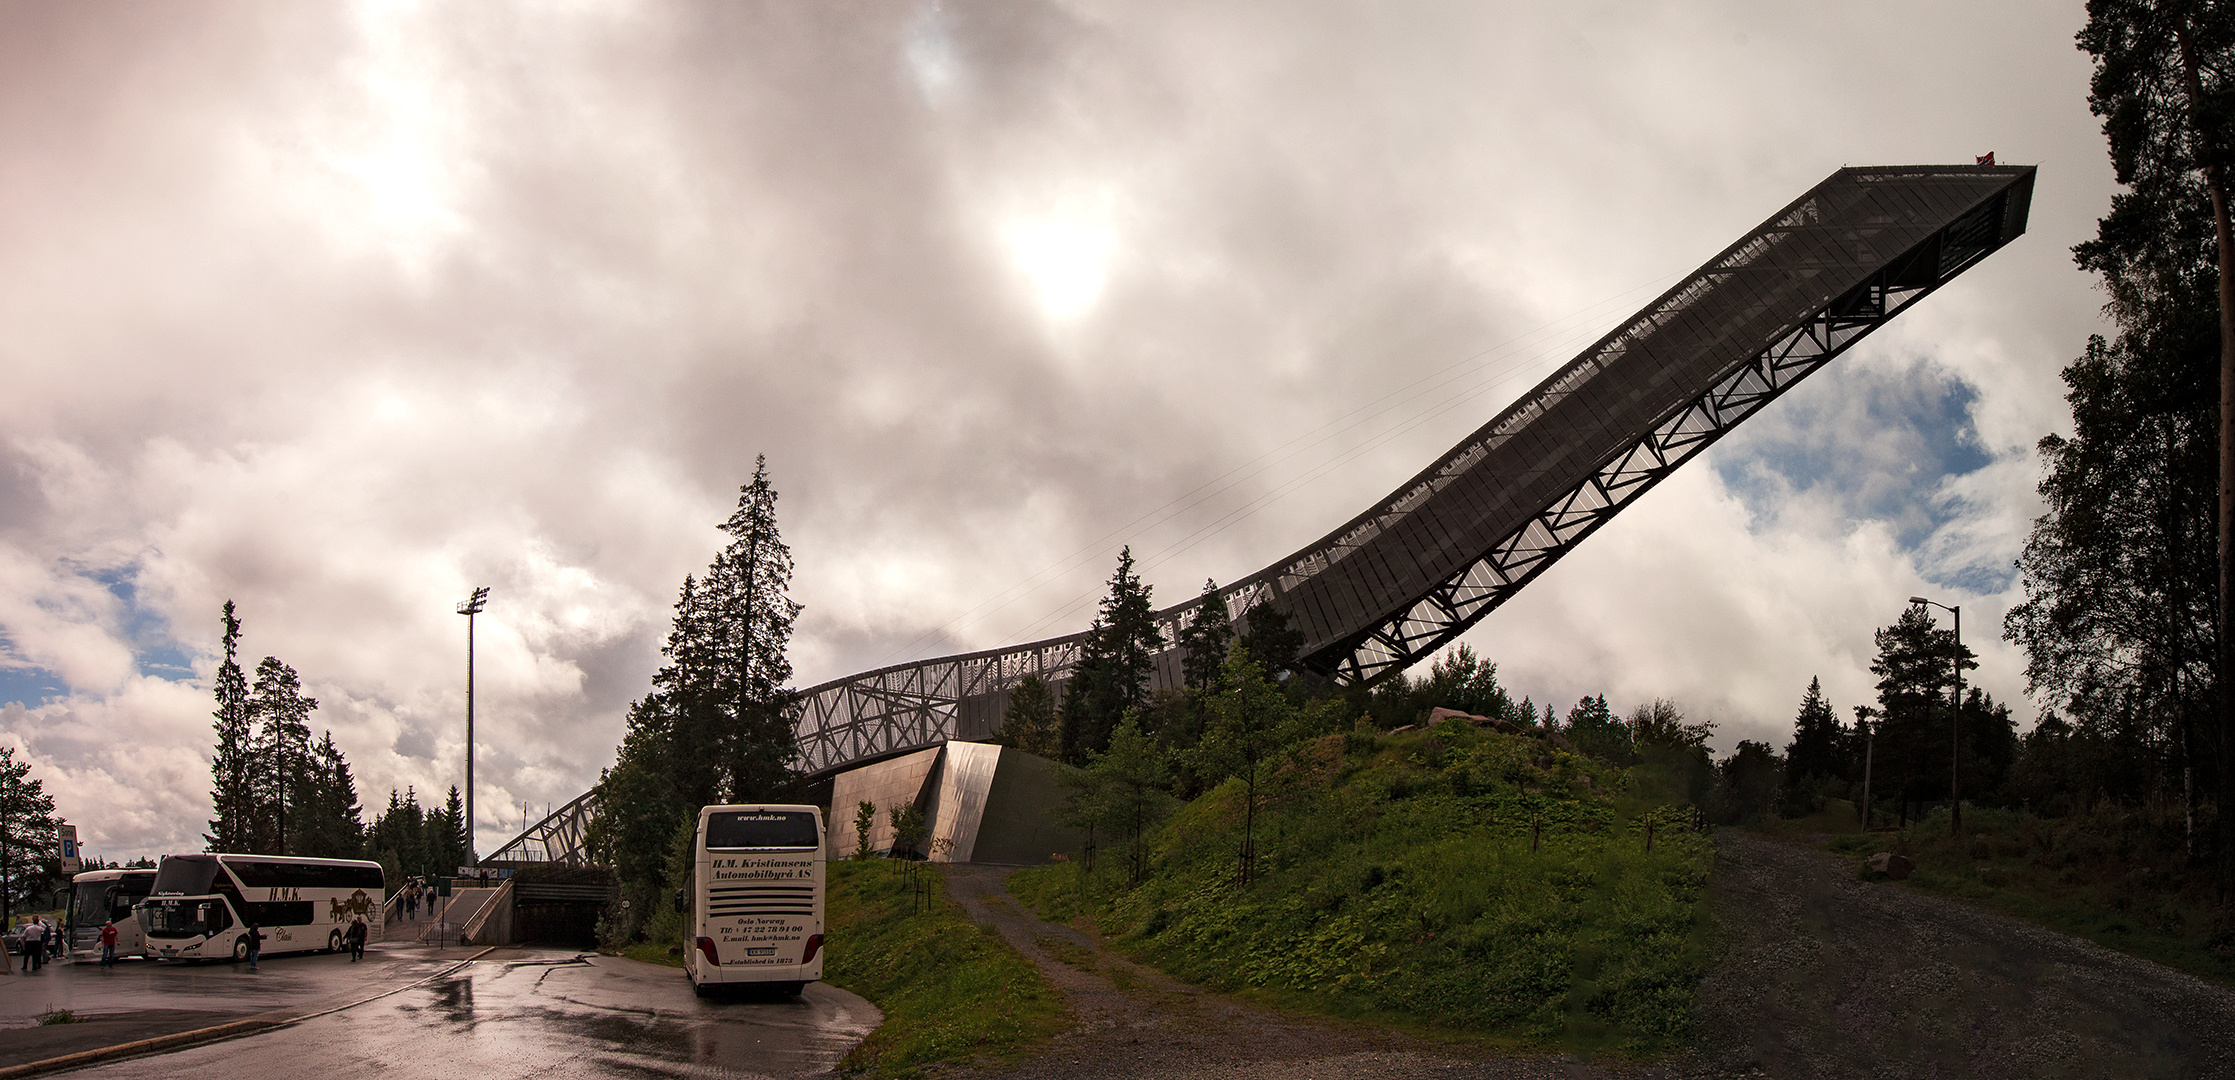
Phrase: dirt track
pixel 1827 976
pixel 1822 976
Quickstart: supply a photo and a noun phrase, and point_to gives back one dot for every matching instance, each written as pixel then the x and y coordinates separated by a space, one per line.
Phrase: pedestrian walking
pixel 255 944
pixel 108 944
pixel 34 945
pixel 355 937
pixel 411 901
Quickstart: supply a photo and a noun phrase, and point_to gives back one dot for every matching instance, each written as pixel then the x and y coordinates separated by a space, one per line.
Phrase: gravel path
pixel 1828 976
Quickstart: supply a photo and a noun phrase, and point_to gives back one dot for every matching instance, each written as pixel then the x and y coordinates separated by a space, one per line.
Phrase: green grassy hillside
pixel 951 991
pixel 1458 880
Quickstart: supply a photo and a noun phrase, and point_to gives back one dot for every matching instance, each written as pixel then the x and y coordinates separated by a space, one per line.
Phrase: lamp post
pixel 1955 722
pixel 469 608
pixel 1870 746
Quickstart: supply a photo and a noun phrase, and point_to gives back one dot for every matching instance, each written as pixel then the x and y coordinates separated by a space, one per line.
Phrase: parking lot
pixel 514 1011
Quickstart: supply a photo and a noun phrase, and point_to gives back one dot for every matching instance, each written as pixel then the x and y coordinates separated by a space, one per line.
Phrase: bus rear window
pixel 761 829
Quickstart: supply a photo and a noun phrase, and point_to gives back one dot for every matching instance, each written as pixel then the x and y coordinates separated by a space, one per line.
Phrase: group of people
pixel 415 892
pixel 41 939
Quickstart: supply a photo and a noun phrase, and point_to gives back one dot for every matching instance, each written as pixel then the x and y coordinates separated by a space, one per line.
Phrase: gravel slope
pixel 1828 976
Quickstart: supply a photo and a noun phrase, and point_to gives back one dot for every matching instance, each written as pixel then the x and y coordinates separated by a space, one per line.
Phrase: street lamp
pixel 1955 723
pixel 469 608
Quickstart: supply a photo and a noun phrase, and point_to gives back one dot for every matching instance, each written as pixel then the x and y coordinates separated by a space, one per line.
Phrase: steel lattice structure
pixel 1399 581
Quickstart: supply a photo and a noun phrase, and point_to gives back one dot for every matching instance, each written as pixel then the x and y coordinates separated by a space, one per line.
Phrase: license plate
pixel 770 951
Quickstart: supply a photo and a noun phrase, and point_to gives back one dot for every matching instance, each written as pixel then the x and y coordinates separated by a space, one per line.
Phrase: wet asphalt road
pixel 527 1012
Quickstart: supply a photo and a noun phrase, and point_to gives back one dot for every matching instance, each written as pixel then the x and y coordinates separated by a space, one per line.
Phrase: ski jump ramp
pixel 1416 569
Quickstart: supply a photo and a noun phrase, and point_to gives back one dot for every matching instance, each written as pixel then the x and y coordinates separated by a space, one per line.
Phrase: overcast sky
pixel 338 311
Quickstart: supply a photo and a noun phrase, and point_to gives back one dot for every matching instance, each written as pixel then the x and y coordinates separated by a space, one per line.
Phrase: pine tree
pixel 716 726
pixel 1595 730
pixel 446 834
pixel 27 833
pixel 1916 681
pixel 1209 633
pixel 750 582
pixel 328 823
pixel 1461 680
pixel 1029 723
pixel 2164 84
pixel 232 766
pixel 1271 640
pixel 283 747
pixel 1822 747
pixel 1132 774
pixel 1250 719
pixel 1111 675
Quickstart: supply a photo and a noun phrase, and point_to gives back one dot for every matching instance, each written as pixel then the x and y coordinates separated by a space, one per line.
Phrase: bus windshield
pixel 734 830
pixel 97 902
pixel 185 918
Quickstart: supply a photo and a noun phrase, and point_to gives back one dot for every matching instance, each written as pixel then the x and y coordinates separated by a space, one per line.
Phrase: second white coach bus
pixel 757 898
pixel 202 905
pixel 98 897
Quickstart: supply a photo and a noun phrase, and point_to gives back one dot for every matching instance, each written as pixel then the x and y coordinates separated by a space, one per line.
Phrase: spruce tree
pixel 1112 673
pixel 233 767
pixel 716 726
pixel 1822 747
pixel 283 747
pixel 750 582
pixel 27 834
pixel 446 834
pixel 1209 633
pixel 328 823
pixel 1271 640
pixel 1916 681
pixel 1029 722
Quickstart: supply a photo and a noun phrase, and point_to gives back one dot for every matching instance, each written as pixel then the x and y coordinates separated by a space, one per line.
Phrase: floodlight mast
pixel 469 608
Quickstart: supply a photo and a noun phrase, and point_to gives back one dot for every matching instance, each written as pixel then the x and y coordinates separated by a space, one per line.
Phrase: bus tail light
pixel 814 945
pixel 706 945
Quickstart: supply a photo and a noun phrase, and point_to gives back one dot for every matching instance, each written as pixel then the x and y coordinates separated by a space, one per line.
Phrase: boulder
pixel 1894 866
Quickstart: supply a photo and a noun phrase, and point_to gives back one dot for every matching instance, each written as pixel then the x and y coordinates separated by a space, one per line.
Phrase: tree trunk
pixel 2224 653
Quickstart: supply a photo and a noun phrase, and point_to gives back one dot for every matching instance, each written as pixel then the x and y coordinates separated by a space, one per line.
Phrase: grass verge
pixel 950 990
pixel 1459 882
pixel 2112 877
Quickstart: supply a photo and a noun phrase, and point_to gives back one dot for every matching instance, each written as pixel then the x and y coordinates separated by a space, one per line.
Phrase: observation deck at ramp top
pixel 1443 550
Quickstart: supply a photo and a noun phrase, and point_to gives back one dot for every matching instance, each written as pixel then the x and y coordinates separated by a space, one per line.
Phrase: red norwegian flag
pixel 1987 160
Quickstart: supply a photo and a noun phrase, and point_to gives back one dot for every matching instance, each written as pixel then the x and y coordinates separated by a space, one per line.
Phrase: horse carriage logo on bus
pixel 357 904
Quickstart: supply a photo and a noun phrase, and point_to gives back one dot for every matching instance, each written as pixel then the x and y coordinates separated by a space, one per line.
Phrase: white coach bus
pixel 202 905
pixel 757 898
pixel 98 897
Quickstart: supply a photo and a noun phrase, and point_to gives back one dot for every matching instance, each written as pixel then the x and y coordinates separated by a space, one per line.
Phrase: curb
pixel 181 1039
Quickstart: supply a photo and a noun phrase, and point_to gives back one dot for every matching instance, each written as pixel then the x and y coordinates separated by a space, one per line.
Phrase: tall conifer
pixel 232 765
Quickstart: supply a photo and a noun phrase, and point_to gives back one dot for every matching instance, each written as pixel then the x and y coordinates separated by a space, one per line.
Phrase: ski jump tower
pixel 1447 547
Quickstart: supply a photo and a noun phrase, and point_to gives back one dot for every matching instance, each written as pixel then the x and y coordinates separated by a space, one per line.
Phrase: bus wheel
pixel 333 941
pixel 240 950
pixel 699 988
